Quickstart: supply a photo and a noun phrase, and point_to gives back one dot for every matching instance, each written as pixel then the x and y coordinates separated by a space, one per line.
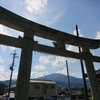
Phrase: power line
pixel 42 17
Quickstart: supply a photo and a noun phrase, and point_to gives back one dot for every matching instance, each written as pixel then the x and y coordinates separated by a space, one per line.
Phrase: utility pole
pixel 11 68
pixel 45 87
pixel 82 68
pixel 68 79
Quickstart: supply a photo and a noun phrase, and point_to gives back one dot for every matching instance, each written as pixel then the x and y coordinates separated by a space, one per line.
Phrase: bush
pixel 90 98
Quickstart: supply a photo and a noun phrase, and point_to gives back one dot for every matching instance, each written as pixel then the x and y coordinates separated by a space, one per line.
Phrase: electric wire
pixel 73 27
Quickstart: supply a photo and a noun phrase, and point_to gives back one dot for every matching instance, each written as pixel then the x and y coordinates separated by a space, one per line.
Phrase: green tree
pixel 90 98
pixel 82 90
pixel 62 92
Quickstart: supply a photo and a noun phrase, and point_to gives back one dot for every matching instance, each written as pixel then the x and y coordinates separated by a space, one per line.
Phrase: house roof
pixel 38 81
pixel 43 81
pixel 13 86
pixel 98 71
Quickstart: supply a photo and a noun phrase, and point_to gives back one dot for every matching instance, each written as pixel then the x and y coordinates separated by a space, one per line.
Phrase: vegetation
pixel 63 91
pixel 82 90
pixel 90 98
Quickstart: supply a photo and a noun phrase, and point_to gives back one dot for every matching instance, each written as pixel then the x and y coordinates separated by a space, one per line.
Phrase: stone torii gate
pixel 27 44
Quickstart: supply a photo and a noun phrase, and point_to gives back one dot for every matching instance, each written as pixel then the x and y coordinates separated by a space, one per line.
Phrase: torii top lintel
pixel 17 22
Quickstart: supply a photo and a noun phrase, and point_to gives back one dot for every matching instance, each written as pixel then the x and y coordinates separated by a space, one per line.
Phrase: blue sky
pixel 62 15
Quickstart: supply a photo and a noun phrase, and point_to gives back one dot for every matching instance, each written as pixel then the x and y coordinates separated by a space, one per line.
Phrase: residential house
pixel 2 88
pixel 98 76
pixel 41 88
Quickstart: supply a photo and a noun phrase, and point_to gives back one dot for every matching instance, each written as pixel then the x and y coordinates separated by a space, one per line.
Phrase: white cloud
pixel 48 13
pixel 74 48
pixel 36 6
pixel 98 35
pixel 59 61
pixel 38 74
pixel 20 34
pixel 12 48
pixel 55 18
pixel 3 48
pixel 71 60
pixel 64 71
pixel 4 31
pixel 3 75
pixel 1 60
pixel 44 59
pixel 76 73
pixel 1 78
pixel 39 67
pixel 2 69
pixel 79 32
pixel 14 75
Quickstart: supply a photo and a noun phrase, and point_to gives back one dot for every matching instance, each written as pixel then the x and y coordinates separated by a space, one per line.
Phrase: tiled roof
pixel 38 81
pixel 98 71
pixel 43 81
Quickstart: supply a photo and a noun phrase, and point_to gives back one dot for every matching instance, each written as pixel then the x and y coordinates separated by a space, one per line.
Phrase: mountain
pixel 6 82
pixel 62 80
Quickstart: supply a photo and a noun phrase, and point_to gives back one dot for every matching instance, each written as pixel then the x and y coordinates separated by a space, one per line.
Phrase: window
pixel 52 87
pixel 47 87
pixel 36 87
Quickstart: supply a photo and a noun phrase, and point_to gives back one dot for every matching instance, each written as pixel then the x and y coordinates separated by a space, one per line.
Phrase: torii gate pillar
pixel 91 74
pixel 25 67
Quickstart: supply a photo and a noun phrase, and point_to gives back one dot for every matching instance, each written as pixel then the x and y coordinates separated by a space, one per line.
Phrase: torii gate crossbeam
pixel 19 23
pixel 27 44
pixel 18 42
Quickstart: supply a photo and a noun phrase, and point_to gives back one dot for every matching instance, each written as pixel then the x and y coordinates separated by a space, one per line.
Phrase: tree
pixel 82 90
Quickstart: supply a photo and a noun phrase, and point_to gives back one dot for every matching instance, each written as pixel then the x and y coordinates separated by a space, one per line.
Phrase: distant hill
pixel 62 80
pixel 6 82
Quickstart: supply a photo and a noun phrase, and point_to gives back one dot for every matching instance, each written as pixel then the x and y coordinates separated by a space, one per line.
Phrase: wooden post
pixel 24 67
pixel 91 74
